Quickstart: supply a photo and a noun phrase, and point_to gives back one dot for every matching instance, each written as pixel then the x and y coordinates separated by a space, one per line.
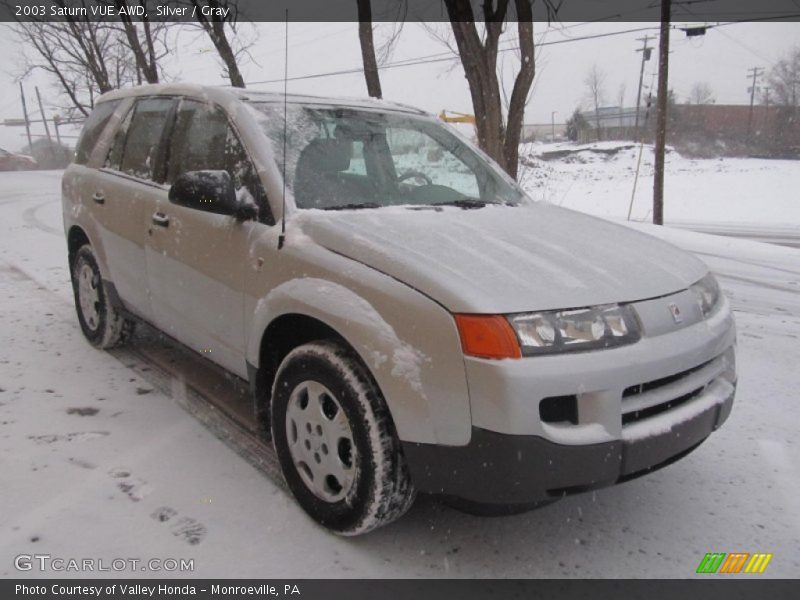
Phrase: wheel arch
pixel 282 335
pixel 76 237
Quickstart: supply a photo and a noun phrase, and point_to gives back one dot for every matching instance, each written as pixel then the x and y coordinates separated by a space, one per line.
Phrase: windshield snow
pixel 339 158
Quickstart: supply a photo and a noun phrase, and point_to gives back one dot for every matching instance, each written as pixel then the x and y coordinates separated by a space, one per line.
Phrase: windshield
pixel 347 158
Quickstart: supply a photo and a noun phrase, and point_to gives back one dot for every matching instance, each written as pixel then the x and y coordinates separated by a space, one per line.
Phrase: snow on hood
pixel 502 259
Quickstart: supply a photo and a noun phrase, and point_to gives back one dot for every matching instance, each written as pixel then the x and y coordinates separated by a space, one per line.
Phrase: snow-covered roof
pixel 223 93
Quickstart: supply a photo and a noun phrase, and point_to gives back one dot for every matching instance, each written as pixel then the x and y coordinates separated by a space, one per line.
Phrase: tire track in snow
pixel 204 408
pixel 30 218
pixel 786 478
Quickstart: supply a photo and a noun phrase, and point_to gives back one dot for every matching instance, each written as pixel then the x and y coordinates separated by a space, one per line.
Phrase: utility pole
pixel 641 149
pixel 661 121
pixel 553 126
pixel 44 119
pixel 754 73
pixel 56 123
pixel 645 50
pixel 25 113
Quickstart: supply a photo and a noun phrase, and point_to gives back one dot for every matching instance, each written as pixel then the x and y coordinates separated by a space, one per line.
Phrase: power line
pixel 448 56
pixel 436 58
pixel 776 17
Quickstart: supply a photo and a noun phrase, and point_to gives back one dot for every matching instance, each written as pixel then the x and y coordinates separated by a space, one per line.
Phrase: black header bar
pixel 712 588
pixel 684 11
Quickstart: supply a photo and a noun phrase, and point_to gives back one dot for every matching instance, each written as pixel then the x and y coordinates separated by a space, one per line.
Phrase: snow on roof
pixel 222 93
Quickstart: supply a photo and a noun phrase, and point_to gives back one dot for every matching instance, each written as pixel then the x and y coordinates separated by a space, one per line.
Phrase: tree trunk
pixel 368 49
pixel 215 27
pixel 522 86
pixel 147 68
pixel 498 138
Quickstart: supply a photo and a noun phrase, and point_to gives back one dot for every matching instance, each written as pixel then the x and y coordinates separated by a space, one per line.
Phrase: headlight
pixel 708 294
pixel 575 330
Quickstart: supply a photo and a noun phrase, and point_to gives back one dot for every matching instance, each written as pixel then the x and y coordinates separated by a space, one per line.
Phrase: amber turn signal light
pixel 487 336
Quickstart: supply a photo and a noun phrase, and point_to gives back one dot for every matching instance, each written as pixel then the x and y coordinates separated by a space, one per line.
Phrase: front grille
pixel 646 400
pixel 652 385
pixel 652 411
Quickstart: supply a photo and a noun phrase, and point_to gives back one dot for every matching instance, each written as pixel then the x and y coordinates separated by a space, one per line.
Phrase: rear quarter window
pixel 92 128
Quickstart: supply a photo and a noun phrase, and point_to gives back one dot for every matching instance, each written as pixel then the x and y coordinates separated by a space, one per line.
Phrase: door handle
pixel 160 219
pixel 99 198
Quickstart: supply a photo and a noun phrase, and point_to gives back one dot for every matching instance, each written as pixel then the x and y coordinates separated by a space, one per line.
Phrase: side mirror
pixel 211 191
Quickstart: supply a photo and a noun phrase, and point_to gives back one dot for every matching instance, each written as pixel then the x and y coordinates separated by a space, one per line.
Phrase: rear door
pixel 126 190
pixel 196 261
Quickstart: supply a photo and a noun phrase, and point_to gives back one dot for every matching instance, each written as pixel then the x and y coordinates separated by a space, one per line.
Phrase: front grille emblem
pixel 676 312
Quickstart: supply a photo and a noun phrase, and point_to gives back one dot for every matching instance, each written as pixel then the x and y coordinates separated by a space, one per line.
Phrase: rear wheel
pixel 102 324
pixel 336 441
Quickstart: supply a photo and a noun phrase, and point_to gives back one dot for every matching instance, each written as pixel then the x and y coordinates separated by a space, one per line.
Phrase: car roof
pixel 222 94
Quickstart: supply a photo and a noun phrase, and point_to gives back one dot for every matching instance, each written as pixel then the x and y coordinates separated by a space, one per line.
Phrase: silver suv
pixel 406 318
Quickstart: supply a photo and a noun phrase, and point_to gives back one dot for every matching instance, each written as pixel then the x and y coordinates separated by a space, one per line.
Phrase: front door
pixel 196 260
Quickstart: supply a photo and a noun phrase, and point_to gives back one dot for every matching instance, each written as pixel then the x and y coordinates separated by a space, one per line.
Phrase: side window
pixel 142 137
pixel 92 129
pixel 198 140
pixel 203 140
pixel 114 158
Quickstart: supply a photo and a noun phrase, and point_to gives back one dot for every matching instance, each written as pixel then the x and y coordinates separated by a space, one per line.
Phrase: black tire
pixel 380 490
pixel 105 326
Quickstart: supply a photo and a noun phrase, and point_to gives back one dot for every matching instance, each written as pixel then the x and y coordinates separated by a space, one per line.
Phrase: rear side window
pixel 92 128
pixel 114 159
pixel 142 138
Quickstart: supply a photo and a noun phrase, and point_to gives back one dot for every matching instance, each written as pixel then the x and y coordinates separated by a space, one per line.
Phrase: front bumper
pixel 622 412
pixel 517 470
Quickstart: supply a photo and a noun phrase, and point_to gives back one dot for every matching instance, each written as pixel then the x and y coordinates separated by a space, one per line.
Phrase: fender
pixel 422 376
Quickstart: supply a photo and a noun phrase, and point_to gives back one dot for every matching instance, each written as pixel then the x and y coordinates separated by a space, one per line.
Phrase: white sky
pixel 721 59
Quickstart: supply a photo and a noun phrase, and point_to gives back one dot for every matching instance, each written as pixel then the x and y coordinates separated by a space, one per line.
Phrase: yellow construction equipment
pixel 457 117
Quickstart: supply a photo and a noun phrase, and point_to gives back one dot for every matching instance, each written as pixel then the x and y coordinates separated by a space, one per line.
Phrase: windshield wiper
pixel 466 203
pixel 354 206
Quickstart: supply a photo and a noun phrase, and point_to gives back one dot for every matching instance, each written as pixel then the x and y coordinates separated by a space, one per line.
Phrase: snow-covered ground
pixel 97 463
pixel 598 178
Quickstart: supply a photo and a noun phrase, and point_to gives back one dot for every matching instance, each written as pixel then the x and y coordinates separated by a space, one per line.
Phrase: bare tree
pixel 701 93
pixel 88 57
pixel 365 37
pixel 595 81
pixel 147 50
pixel 784 79
pixel 498 134
pixel 370 56
pixel 232 51
pixel 84 57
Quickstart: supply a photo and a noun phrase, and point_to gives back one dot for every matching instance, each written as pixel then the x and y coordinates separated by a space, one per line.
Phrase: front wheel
pixel 101 323
pixel 336 441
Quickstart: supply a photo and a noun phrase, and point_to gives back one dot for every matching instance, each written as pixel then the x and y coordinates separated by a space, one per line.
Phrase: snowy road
pixel 98 462
pixel 782 236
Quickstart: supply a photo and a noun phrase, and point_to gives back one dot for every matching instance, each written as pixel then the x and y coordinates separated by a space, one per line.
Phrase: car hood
pixel 506 259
